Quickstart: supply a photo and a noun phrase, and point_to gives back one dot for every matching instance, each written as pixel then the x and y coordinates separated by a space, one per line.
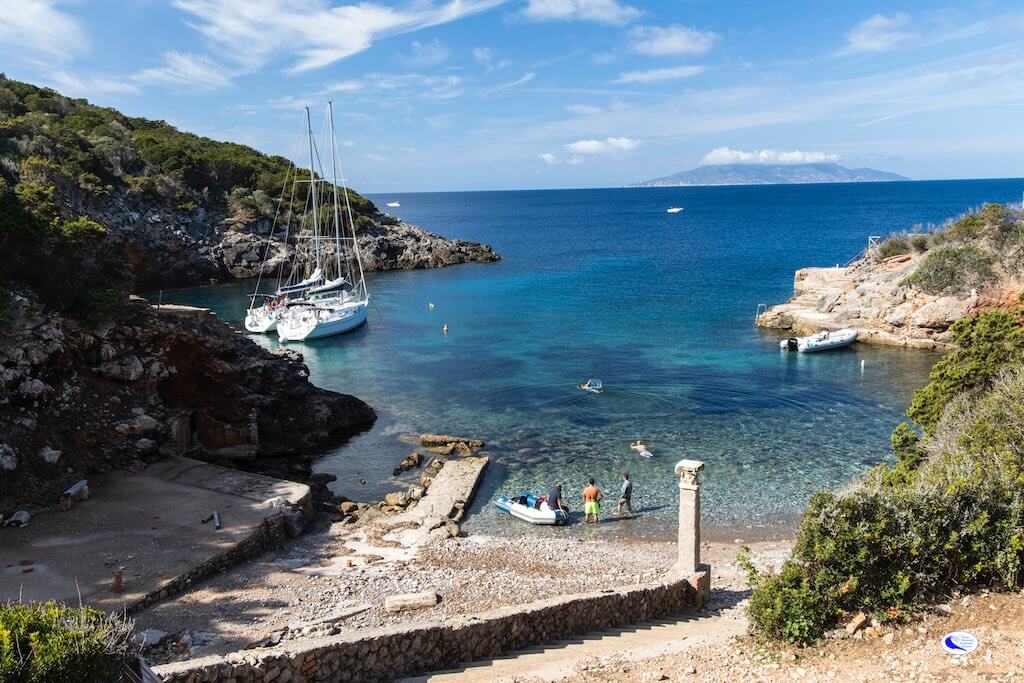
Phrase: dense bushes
pixel 953 270
pixel 895 245
pixel 950 512
pixel 54 643
pixel 98 148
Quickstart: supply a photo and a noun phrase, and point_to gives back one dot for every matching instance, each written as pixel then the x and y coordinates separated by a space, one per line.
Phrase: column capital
pixel 688 472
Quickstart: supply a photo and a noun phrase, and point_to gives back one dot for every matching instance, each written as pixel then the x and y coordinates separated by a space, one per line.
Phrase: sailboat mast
pixel 334 184
pixel 348 211
pixel 314 190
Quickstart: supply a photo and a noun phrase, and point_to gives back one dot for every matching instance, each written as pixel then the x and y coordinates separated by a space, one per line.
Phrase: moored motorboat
pixel 674 209
pixel 822 341
pixel 532 509
pixel 394 205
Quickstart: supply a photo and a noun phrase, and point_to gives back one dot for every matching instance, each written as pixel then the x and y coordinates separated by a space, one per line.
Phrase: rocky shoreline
pixel 870 296
pixel 79 398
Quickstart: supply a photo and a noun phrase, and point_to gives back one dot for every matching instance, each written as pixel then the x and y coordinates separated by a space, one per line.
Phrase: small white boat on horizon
pixel 394 205
pixel 674 209
pixel 822 341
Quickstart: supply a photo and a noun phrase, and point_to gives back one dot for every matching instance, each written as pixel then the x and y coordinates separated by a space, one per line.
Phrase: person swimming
pixel 641 448
pixel 594 386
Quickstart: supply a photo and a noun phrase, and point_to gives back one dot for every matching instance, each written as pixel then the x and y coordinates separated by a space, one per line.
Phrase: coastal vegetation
pixel 966 253
pixel 70 170
pixel 49 642
pixel 948 513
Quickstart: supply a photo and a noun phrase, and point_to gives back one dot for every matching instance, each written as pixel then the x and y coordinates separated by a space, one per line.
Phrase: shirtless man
pixel 592 502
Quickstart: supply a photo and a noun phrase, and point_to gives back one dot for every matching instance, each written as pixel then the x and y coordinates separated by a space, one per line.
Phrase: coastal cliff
pixel 185 209
pixel 909 290
pixel 77 398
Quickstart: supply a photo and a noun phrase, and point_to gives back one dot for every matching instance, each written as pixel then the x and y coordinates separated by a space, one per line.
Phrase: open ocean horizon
pixel 603 283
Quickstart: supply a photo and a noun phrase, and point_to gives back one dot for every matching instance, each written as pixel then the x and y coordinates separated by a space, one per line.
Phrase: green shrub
pixel 919 243
pixel 988 344
pixel 953 270
pixel 949 513
pixel 895 245
pixel 59 644
pixel 82 228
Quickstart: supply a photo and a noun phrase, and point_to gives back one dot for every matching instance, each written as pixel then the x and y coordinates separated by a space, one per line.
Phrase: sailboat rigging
pixel 326 291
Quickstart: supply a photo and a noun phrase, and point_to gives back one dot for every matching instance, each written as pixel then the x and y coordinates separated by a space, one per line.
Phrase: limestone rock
pixel 124 370
pixel 8 459
pixel 941 313
pixel 859 621
pixel 407 601
pixel 50 455
pixel 396 499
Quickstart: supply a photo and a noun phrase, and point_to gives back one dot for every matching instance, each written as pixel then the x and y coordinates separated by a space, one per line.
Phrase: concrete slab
pixel 150 523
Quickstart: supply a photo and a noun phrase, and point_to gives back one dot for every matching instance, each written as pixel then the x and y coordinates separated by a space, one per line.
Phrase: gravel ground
pixel 274 598
pixel 910 652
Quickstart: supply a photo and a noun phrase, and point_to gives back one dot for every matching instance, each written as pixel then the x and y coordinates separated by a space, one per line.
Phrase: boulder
pixel 859 621
pixel 409 462
pixel 407 601
pixel 396 499
pixel 50 455
pixel 942 312
pixel 434 440
pixel 124 370
pixel 8 459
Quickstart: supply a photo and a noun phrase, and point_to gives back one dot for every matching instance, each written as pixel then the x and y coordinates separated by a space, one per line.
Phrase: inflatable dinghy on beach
pixel 532 509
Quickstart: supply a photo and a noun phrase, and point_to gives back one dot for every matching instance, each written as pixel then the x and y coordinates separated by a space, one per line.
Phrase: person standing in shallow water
pixel 592 503
pixel 626 495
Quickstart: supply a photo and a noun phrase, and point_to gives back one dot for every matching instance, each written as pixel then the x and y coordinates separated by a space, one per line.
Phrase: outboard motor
pixel 792 344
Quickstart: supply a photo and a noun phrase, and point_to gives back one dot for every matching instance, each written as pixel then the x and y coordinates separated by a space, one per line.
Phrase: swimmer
pixel 430 305
pixel 641 448
pixel 590 386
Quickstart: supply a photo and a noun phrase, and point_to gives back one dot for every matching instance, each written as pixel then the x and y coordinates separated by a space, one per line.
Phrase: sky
pixel 439 95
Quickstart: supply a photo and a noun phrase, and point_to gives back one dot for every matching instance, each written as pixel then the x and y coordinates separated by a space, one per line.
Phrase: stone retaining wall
pixel 274 529
pixel 388 653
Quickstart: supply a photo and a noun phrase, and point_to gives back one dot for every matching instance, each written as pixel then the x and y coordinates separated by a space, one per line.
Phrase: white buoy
pixel 445 329
pixel 430 305
pixel 862 366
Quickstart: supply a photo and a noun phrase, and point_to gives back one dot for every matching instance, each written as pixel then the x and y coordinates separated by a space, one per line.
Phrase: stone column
pixel 689 515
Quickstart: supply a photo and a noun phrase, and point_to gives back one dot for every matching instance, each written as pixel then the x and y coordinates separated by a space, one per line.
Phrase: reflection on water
pixel 604 284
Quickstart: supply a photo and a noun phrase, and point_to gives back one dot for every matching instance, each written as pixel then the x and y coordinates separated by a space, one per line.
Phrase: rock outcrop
pixel 79 398
pixel 870 296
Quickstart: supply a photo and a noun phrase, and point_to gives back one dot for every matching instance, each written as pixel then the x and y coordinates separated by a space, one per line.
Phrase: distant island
pixel 776 174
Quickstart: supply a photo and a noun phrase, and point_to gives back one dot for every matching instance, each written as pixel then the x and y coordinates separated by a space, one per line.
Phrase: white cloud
pixel 377 157
pixel 583 109
pixel 525 78
pixel 606 146
pixel 665 41
pixel 725 155
pixel 39 28
pixel 313 33
pixel 879 33
pixel 412 85
pixel 484 55
pixel 666 74
pixel 425 54
pixel 553 160
pixel 88 86
pixel 600 11
pixel 185 69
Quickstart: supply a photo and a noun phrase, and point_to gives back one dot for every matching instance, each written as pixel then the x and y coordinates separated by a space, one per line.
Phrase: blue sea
pixel 660 307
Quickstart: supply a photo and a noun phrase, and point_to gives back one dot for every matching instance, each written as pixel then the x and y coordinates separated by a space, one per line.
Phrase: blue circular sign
pixel 959 643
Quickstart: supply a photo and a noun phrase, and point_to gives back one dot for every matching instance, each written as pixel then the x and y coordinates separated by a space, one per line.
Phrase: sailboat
pixel 325 294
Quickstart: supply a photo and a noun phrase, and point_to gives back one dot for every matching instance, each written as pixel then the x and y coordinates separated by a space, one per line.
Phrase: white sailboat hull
pixel 316 322
pixel 258 322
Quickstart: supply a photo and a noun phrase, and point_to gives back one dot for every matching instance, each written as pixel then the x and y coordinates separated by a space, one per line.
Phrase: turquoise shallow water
pixel 660 307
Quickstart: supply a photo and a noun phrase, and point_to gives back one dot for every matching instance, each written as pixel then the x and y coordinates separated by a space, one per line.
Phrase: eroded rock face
pixel 869 296
pixel 147 384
